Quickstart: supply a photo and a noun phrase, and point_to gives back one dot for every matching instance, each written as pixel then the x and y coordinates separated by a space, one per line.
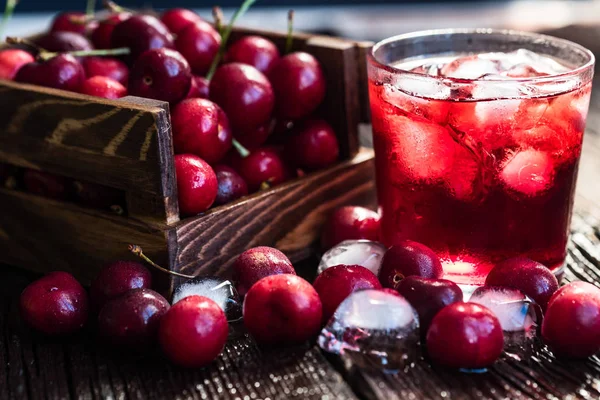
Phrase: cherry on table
pixel 256 263
pixel 196 184
pixel 116 279
pixel 198 88
pixel 201 127
pixel 101 86
pixel 313 146
pixel 257 51
pixel 55 304
pixel 106 66
pixel 45 184
pixel 262 166
pixel 141 33
pixel 177 19
pixel 61 72
pixel 408 258
pixel 199 43
pixel 350 223
pixel 71 21
pixel 161 74
pixel 231 185
pixel 11 60
pixel 60 42
pixel 102 34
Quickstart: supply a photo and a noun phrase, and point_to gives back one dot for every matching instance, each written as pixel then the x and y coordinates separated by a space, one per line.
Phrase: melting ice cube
pixel 219 290
pixel 471 67
pixel 529 172
pixel 365 253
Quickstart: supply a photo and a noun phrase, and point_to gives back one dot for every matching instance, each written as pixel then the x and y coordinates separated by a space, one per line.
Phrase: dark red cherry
pixel 244 93
pixel 71 21
pixel 196 184
pixel 104 66
pixel 199 43
pixel 409 258
pixel 231 185
pixel 257 51
pixel 60 42
pixel 256 263
pixel 61 72
pixel 313 146
pixel 263 166
pixel 200 127
pixel 299 85
pixel 101 86
pixel 198 88
pixel 141 33
pixel 98 196
pixel 161 74
pixel 116 279
pixel 252 138
pixel 46 184
pixel 102 34
pixel 350 223
pixel 11 60
pixel 176 19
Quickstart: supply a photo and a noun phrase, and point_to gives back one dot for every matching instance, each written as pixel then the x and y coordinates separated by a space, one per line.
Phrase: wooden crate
pixel 126 144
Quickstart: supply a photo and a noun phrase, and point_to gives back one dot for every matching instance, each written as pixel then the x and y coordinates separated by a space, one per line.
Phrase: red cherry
pixel 198 88
pixel 350 223
pixel 102 34
pixel 528 276
pixel 299 85
pixel 46 184
pixel 193 332
pixel 101 86
pixel 200 127
pixel 97 196
pixel 282 309
pixel 256 263
pixel 336 283
pixel 116 279
pixel 141 33
pixel 55 304
pixel 199 43
pixel 409 258
pixel 161 74
pixel 231 185
pixel 314 145
pixel 262 166
pixel 11 60
pixel 108 67
pixel 71 21
pixel 572 321
pixel 245 95
pixel 196 184
pixel 63 41
pixel 465 335
pixel 61 72
pixel 132 319
pixel 256 51
pixel 253 138
pixel 176 19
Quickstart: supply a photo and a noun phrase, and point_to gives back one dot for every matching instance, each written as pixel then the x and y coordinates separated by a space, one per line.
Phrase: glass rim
pixel 579 70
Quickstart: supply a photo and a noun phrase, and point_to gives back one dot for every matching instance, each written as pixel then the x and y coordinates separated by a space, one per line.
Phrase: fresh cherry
pixel 572 321
pixel 196 184
pixel 282 309
pixel 199 43
pixel 176 19
pixel 55 304
pixel 141 33
pixel 336 283
pixel 63 41
pixel 256 51
pixel 161 74
pixel 46 184
pixel 428 296
pixel 198 88
pixel 101 86
pixel 231 185
pixel 256 263
pixel 465 335
pixel 253 138
pixel 313 146
pixel 244 93
pixel 61 72
pixel 108 67
pixel 116 279
pixel 263 166
pixel 132 319
pixel 201 127
pixel 350 223
pixel 11 60
pixel 299 85
pixel 193 332
pixel 72 21
pixel 528 276
pixel 102 34
pixel 409 258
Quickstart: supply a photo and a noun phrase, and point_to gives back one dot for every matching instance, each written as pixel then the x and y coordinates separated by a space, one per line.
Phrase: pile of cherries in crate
pixel 281 308
pixel 243 115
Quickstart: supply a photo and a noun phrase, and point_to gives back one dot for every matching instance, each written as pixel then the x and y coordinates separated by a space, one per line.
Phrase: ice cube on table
pixel 365 253
pixel 375 329
pixel 529 172
pixel 221 291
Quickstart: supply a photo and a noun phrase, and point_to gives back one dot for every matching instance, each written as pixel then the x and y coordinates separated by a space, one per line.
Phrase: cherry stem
pixel 45 55
pixel 225 36
pixel 265 186
pixel 218 17
pixel 90 8
pixel 290 31
pixel 137 250
pixel 8 12
pixel 114 7
pixel 24 42
pixel 243 152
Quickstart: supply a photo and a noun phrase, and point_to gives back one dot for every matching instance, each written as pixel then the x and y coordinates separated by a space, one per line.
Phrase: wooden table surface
pixel 78 367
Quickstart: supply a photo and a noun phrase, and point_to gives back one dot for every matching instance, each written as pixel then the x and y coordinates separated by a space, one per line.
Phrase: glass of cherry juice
pixel 477 137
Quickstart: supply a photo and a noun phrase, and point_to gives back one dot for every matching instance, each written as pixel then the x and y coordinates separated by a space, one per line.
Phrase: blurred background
pixel 357 19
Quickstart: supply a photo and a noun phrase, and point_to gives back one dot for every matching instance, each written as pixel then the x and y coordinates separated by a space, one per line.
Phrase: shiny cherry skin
pixel 281 309
pixel 299 85
pixel 198 88
pixel 196 184
pixel 409 258
pixel 572 321
pixel 244 93
pixel 102 34
pixel 132 319
pixel 71 21
pixel 528 276
pixel 193 332
pixel 253 138
pixel 465 335
pixel 55 304
pixel 428 296
pixel 46 184
pixel 61 72
pixel 11 60
pixel 256 263
pixel 199 43
pixel 104 66
pixel 101 86
pixel 201 127
pixel 350 223
pixel 263 166
pixel 141 33
pixel 116 279
pixel 336 283
pixel 161 74
pixel 63 41
pixel 97 196
pixel 256 51
pixel 231 185
pixel 313 146
pixel 177 19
